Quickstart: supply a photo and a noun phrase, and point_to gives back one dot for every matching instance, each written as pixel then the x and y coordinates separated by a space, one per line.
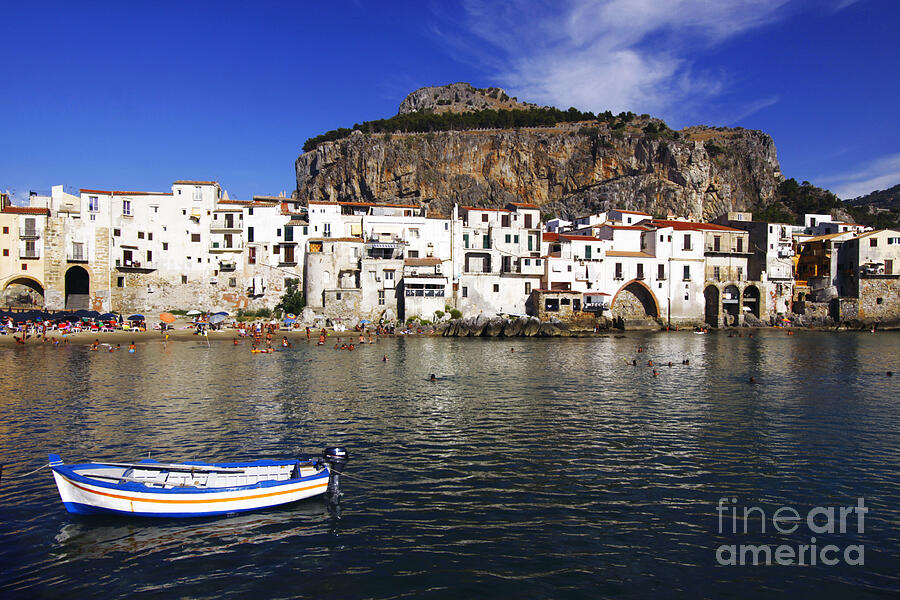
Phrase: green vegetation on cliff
pixel 793 200
pixel 422 122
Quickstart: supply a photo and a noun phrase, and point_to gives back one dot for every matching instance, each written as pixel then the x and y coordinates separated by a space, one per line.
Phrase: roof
pixel 628 253
pixel 691 226
pixel 545 291
pixel 868 233
pixel 827 236
pixel 275 198
pixel 296 223
pixel 550 236
pixel 629 227
pixel 525 205
pixel 187 182
pixel 341 239
pixel 328 202
pixel 575 238
pixel 123 193
pixel 236 202
pixel 631 212
pixel 422 262
pixel 483 208
pixel 26 210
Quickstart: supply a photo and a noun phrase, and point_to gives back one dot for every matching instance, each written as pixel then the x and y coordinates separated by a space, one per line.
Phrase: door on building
pixel 78 289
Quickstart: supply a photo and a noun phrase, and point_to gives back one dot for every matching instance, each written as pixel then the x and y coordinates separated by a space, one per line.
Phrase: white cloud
pixel 879 174
pixel 606 54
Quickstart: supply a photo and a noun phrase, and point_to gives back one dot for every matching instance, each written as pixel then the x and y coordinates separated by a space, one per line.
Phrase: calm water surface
pixel 555 471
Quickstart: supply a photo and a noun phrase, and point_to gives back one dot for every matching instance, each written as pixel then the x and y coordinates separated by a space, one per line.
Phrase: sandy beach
pixel 180 334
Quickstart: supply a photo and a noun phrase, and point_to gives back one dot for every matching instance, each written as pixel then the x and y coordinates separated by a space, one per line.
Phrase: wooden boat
pixel 194 489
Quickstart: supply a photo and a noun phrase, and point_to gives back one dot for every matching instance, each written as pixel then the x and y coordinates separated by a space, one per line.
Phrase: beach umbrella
pixel 217 318
pixel 364 321
pixel 224 313
pixel 290 316
pixel 192 313
pixel 167 317
pixel 136 318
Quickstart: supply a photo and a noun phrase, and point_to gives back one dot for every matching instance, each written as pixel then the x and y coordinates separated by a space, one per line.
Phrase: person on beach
pixel 307 333
pixel 96 345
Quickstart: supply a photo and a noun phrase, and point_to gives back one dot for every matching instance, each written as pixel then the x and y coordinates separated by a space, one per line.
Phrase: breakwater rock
pixel 485 326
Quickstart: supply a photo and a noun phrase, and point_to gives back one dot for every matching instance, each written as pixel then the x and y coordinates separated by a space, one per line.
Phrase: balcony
pixel 134 266
pixel 225 228
pixel 29 233
pixel 76 257
pixel 217 248
pixel 34 253
pixel 225 265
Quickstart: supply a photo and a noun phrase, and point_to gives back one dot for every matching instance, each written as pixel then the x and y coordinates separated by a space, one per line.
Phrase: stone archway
pixel 751 300
pixel 23 292
pixel 711 296
pixel 731 304
pixel 78 288
pixel 634 300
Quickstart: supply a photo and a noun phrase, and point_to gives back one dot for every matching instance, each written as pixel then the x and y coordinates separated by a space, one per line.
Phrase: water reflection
pixel 557 469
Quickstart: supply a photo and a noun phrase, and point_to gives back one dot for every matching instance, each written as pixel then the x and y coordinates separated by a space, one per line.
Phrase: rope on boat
pixel 23 474
pixel 358 478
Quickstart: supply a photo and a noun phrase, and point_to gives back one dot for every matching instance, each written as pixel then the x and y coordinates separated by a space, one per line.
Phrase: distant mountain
pixel 888 199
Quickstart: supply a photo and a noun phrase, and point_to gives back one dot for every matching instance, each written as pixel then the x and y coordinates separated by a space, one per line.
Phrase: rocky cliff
pixel 569 169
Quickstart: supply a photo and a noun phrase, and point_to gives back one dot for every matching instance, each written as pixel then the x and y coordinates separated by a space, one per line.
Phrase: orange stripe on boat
pixel 120 497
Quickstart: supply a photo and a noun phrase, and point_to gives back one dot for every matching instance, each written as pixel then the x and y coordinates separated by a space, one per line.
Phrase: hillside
pixel 569 162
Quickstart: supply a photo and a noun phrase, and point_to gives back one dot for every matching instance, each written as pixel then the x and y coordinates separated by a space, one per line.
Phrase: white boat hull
pixel 83 497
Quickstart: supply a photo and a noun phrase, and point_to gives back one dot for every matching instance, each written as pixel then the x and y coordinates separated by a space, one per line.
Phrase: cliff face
pixel 569 170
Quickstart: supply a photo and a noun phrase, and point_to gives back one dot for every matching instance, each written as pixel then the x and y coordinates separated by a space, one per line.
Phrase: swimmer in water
pixel 634 362
pixel 649 363
pixel 752 380
pixel 655 373
pixel 131 346
pixel 433 378
pixel 385 358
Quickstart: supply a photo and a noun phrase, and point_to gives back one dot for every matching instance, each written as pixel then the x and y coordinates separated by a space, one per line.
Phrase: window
pixel 251 255
pixel 873 242
pixel 93 204
pixel 485 241
pixel 496 288
pixel 389 275
pixel 289 234
pixel 6 252
pixel 249 234
pixel 149 255
pixel 717 274
pixel 569 268
pixel 527 221
pixel 537 262
pixel 465 292
pixel 527 287
pixel 516 239
pixel 199 259
pixel 120 281
pixel 618 271
pixel 195 237
pixel 740 273
pixel 24 267
pixel 661 272
pixel 687 241
pixel 380 297
pixel 465 240
pixel 412 254
pixel 278 232
pixel 717 243
pixel 508 238
pixel 117 232
pixel 484 218
pixel 326 230
pixel 6 230
pixel 337 296
pixel 165 245
pixel 126 208
pixel 660 238
pixel 640 271
pixel 140 235
pixel 232 282
pixel 587 252
pixel 198 193
pixel 687 273
pixel 446 226
pixel 184 279
pixel 504 221
pixel 740 244
pixel 149 236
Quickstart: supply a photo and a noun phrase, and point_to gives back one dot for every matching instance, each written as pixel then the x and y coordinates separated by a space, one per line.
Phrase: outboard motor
pixel 336 458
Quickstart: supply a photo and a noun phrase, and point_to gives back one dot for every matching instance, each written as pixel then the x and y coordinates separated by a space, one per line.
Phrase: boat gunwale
pixel 69 472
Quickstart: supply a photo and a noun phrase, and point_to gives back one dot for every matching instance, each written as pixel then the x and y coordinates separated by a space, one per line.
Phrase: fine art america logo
pixel 820 521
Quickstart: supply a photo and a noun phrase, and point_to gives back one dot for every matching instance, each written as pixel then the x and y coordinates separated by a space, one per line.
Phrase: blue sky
pixel 124 95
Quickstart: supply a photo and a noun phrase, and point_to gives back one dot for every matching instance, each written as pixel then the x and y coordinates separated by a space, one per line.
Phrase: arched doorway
pixel 731 304
pixel 78 289
pixel 634 301
pixel 751 300
pixel 711 295
pixel 23 292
